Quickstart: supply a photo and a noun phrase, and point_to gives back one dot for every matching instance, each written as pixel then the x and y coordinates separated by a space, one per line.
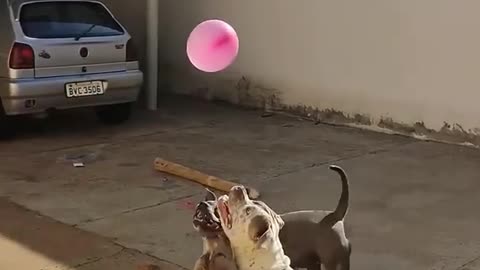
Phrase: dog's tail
pixel 343 203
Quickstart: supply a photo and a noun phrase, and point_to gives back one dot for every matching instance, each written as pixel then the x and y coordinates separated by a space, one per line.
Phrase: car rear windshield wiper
pixel 81 35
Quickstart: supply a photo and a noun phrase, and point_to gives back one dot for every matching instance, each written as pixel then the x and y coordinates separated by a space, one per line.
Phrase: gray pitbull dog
pixel 310 238
pixel 253 231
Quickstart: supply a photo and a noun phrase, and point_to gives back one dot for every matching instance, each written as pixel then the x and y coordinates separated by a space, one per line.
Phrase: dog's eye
pixel 248 210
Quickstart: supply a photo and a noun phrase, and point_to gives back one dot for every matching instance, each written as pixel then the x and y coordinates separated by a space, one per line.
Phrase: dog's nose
pixel 237 193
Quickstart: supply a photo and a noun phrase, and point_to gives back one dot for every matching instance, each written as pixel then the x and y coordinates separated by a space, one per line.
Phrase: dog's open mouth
pixel 206 225
pixel 224 212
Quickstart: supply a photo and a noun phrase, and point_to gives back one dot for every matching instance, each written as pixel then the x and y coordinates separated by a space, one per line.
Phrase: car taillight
pixel 131 51
pixel 21 56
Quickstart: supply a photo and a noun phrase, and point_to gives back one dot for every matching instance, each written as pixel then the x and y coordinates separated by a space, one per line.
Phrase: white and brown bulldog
pixel 253 231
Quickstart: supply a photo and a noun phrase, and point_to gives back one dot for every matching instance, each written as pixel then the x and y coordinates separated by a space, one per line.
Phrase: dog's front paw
pixel 223 263
pixel 202 262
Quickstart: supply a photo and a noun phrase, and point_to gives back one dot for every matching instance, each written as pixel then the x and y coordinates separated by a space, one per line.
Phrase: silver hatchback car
pixel 63 54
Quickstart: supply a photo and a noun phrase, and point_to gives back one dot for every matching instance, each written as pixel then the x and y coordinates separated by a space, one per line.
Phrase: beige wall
pixel 410 60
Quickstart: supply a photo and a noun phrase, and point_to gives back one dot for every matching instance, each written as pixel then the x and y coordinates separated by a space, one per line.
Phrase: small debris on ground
pixel 287 125
pixel 78 165
pixel 267 114
pixel 79 157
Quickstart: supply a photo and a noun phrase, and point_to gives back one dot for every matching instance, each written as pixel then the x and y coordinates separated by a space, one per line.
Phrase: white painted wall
pixel 410 60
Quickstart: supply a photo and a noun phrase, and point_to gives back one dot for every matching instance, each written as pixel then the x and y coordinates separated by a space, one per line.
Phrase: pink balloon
pixel 212 46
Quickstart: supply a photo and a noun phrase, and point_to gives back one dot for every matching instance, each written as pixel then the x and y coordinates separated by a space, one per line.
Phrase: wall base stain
pixel 449 133
pixel 245 93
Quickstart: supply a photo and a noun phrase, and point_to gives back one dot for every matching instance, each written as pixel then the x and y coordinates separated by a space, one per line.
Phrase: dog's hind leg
pixel 343 264
pixel 314 266
pixel 345 261
pixel 330 266
pixel 311 262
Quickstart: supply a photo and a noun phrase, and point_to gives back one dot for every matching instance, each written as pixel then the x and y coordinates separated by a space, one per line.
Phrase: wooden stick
pixel 199 177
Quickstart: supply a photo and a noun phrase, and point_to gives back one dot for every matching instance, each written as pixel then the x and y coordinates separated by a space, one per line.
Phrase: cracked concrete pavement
pixel 413 203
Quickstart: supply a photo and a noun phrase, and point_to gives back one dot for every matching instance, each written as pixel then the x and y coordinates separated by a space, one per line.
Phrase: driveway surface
pixel 414 204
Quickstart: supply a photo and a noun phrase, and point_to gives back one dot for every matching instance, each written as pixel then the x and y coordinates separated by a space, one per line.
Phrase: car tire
pixel 6 125
pixel 114 114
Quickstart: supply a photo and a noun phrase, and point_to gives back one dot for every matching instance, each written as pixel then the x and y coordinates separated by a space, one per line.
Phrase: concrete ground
pixel 414 204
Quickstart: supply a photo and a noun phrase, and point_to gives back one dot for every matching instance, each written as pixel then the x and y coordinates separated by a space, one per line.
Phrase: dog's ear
pixel 259 231
pixel 276 217
pixel 210 196
pixel 279 220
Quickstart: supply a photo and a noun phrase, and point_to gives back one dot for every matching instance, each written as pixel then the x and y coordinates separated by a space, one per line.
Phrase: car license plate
pixel 82 89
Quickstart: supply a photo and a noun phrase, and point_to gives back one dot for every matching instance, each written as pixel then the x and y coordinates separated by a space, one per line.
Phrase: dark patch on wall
pixel 448 133
pixel 388 123
pixel 457 131
pixel 243 92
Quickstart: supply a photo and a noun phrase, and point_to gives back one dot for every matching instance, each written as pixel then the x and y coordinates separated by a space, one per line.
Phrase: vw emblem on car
pixel 44 54
pixel 83 52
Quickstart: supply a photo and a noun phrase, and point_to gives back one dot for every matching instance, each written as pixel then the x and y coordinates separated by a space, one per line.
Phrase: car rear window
pixel 67 19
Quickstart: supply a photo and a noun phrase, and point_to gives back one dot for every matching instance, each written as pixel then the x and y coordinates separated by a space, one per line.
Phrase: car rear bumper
pixel 28 96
